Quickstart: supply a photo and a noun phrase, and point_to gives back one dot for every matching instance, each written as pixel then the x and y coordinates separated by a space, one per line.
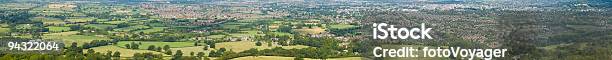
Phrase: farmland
pixel 303 29
pixel 151 31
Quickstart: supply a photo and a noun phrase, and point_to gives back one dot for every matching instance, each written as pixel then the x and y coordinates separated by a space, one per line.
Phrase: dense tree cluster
pixel 133 45
pixel 96 43
pixel 325 42
pixel 258 43
pixel 218 53
pixel 147 56
pixel 318 53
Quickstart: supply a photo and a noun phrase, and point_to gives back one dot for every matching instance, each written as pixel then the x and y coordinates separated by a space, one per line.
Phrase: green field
pixel 585 27
pixel 114 22
pixel 24 26
pixel 51 11
pixel 48 20
pixel 63 33
pixel 236 23
pixel 100 26
pixel 231 27
pixel 282 34
pixel 215 36
pixel 341 26
pixel 79 19
pixel 238 35
pixel 131 28
pixel 68 39
pixel 152 30
pixel 145 44
pixel 58 29
pixel 252 32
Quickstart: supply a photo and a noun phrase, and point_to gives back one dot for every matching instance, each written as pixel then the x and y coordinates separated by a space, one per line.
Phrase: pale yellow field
pixel 240 46
pixel 5 30
pixel 314 30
